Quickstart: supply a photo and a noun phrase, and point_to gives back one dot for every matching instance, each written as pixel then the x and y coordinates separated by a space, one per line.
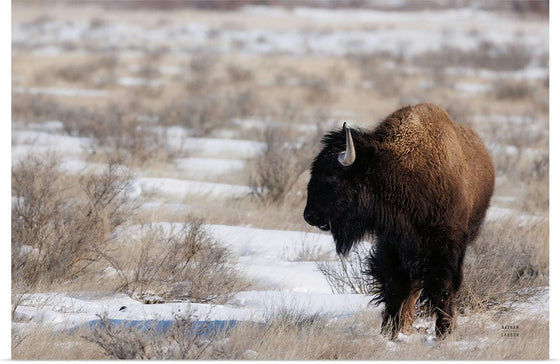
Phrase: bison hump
pixel 421 136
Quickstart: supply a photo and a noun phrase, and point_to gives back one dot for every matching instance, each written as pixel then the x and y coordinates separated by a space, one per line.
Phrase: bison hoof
pixel 443 331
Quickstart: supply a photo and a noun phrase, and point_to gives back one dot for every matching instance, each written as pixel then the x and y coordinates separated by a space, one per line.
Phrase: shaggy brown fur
pixel 421 184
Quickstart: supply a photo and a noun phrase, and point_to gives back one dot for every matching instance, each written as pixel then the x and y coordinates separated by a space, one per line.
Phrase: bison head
pixel 336 191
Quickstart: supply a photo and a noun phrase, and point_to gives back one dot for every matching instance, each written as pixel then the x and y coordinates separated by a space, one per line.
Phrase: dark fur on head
pixel 342 202
pixel 421 184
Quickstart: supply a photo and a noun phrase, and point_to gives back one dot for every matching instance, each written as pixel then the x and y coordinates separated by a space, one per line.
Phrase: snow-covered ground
pixel 67 312
pixel 266 257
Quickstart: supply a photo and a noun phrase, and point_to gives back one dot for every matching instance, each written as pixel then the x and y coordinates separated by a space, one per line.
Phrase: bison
pixel 420 184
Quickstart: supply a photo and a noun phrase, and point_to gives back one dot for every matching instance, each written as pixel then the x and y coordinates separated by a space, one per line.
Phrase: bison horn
pixel 347 157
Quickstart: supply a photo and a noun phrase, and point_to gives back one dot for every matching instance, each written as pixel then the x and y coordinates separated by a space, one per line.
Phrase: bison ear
pixel 347 157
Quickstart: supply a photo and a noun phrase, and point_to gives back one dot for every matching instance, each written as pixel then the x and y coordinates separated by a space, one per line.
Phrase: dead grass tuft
pixel 36 108
pixel 184 264
pixel 203 113
pixel 58 233
pixel 290 337
pixel 488 55
pixel 41 343
pixel 348 274
pixel 512 90
pixel 183 340
pixel 239 74
pixel 276 170
pixel 100 71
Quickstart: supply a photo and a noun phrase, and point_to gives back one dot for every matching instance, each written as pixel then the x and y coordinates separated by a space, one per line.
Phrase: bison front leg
pixel 395 289
pixel 399 313
pixel 406 312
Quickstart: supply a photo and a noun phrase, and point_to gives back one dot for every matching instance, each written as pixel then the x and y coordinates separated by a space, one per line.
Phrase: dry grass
pixel 58 233
pixel 347 274
pixel 488 55
pixel 303 337
pixel 293 335
pixel 509 258
pixel 40 343
pixel 181 264
pixel 37 108
pixel 515 90
pixel 274 173
pixel 277 169
pixel 307 252
pixel 98 71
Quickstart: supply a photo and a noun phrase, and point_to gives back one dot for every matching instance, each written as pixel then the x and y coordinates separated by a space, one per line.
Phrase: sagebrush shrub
pixel 57 232
pixel 278 167
pixel 184 263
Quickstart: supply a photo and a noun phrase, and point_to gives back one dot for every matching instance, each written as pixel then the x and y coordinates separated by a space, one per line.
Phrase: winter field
pixel 160 158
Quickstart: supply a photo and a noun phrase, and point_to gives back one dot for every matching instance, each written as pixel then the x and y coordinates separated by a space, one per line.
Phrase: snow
pixel 263 124
pixel 50 125
pixel 65 312
pixel 266 243
pixel 133 190
pixel 266 255
pixel 536 306
pixel 137 81
pixel 513 119
pixel 527 73
pixel 498 213
pixel 176 187
pixel 179 138
pixel 209 166
pixel 151 205
pixel 474 88
pixel 212 147
pixel 40 142
pixel 70 92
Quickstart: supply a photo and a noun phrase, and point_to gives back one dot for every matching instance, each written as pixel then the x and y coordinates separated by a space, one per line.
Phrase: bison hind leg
pixel 441 284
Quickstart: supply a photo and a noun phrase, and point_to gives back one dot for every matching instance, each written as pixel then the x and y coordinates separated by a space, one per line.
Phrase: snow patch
pixel 178 188
pixel 70 92
pixel 209 166
pixel 499 213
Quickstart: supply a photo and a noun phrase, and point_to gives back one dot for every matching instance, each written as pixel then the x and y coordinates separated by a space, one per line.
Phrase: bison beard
pixel 419 183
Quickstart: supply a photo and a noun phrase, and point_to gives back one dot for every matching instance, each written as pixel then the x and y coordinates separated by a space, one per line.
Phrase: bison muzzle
pixel 420 184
